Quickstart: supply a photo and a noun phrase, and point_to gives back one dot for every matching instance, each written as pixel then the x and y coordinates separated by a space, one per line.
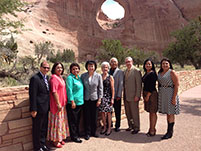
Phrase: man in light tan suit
pixel 132 93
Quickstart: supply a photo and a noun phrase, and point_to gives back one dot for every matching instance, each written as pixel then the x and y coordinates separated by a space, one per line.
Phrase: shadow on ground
pixel 191 106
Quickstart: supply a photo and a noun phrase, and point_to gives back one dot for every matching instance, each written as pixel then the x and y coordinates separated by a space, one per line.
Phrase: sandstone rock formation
pixel 74 24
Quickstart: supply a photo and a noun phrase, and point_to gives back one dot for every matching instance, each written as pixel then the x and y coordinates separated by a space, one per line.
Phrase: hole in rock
pixel 110 15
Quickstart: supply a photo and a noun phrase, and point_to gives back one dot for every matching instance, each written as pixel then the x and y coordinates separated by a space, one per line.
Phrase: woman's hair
pixel 165 59
pixel 54 67
pixel 105 63
pixel 74 65
pixel 153 66
pixel 90 62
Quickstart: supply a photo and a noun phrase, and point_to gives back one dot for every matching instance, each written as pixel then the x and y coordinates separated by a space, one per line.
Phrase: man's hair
pixel 113 58
pixel 129 58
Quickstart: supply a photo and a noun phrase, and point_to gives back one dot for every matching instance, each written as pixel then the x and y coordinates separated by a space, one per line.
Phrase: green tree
pixel 187 45
pixel 8 50
pixel 138 55
pixel 173 52
pixel 15 69
pixel 10 7
pixel 67 55
pixel 112 48
pixel 154 56
pixel 44 49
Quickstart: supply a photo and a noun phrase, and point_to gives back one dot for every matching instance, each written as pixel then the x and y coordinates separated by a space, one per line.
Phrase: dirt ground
pixel 187 132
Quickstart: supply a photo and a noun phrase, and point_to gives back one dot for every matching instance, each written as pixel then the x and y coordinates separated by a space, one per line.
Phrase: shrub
pixel 139 56
pixel 112 48
pixel 43 49
pixel 67 55
pixel 187 45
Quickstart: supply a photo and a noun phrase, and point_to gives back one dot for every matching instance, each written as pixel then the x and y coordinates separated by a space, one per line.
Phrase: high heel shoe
pixel 107 134
pixel 149 134
pixel 103 132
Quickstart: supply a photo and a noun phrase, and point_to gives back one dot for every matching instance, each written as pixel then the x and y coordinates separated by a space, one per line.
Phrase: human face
pixel 114 64
pixel 45 68
pixel 58 69
pixel 148 66
pixel 91 68
pixel 105 69
pixel 75 70
pixel 165 65
pixel 129 63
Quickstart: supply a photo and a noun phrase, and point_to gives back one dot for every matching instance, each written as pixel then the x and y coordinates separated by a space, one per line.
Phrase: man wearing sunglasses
pixel 39 106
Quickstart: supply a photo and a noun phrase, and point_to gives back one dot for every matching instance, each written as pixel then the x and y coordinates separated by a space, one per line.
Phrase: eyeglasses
pixel 46 68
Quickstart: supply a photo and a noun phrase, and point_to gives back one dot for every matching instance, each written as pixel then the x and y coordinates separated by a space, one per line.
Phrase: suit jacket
pixel 93 91
pixel 39 95
pixel 118 82
pixel 132 84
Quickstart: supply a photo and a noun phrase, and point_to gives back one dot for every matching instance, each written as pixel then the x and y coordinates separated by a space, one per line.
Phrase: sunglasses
pixel 46 68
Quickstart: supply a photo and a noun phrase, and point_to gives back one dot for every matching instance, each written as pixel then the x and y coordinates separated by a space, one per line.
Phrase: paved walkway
pixel 187 132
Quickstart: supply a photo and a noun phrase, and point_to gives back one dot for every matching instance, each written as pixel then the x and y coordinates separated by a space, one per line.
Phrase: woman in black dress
pixel 150 94
pixel 108 98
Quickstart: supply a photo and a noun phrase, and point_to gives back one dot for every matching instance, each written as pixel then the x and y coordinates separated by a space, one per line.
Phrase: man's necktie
pixel 46 82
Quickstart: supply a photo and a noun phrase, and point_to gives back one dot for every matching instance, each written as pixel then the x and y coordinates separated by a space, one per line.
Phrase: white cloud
pixel 113 9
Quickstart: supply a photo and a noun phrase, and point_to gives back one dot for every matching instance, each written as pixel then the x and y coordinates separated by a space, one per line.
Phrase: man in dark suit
pixel 118 86
pixel 39 106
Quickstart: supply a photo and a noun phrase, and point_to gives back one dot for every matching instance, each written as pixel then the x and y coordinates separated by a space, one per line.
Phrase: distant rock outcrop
pixel 74 24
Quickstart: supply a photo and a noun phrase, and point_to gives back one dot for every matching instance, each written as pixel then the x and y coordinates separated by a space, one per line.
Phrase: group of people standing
pixel 56 104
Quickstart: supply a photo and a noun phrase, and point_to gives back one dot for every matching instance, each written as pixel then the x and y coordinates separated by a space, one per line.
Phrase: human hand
pixel 146 98
pixel 118 98
pixel 174 101
pixel 98 102
pixel 112 102
pixel 73 105
pixel 136 99
pixel 33 114
pixel 59 107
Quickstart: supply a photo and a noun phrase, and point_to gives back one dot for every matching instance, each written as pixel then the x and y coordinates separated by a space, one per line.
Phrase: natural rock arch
pixel 146 24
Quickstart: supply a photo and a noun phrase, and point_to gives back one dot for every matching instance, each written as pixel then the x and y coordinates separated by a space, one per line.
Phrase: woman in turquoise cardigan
pixel 75 94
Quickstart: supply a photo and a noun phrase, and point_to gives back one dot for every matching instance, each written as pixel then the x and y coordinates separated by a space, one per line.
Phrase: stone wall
pixel 188 79
pixel 15 120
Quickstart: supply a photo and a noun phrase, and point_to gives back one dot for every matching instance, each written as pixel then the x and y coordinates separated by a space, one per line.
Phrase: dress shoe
pixel 40 149
pixel 77 140
pixel 87 137
pixel 57 145
pixel 107 134
pixel 117 129
pixel 134 131
pixel 45 148
pixel 95 135
pixel 129 129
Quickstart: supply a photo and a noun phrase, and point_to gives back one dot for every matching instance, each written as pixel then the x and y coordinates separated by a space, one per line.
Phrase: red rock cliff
pixel 147 23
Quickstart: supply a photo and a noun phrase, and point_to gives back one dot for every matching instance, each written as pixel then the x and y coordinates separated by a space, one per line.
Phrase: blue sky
pixel 112 9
